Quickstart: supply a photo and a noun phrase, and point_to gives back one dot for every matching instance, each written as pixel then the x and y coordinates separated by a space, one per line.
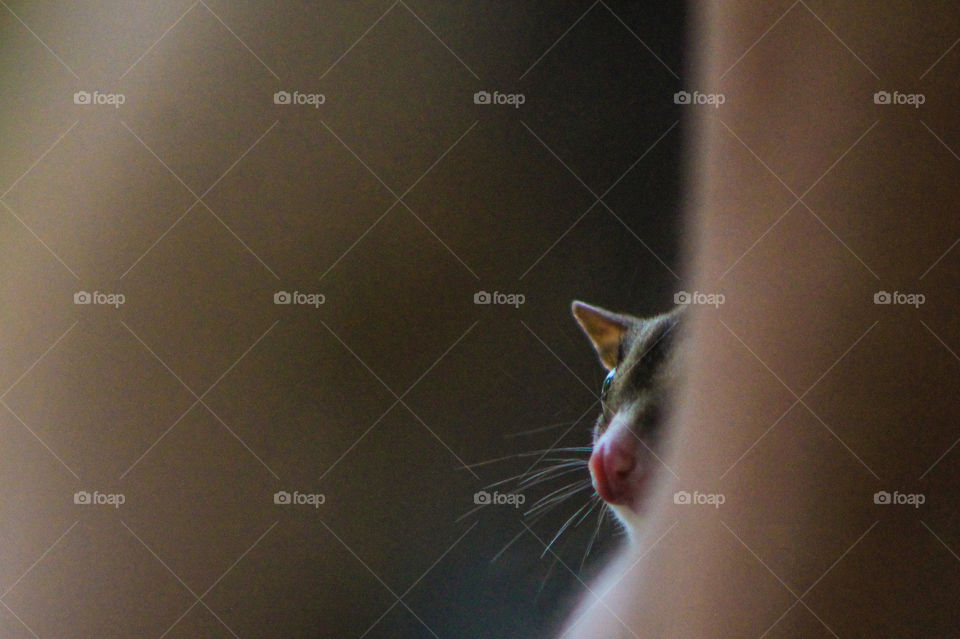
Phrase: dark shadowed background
pixel 399 198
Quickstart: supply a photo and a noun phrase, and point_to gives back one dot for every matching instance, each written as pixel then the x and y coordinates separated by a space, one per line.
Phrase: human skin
pixel 799 548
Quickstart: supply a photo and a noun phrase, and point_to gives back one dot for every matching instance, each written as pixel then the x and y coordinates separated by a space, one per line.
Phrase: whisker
pixel 529 483
pixel 533 431
pixel 564 527
pixel 554 501
pixel 551 494
pixel 595 535
pixel 533 521
pixel 576 449
pixel 488 461
pixel 596 500
pixel 575 462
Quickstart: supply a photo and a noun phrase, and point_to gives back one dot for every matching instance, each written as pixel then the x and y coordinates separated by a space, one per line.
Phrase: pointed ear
pixel 605 330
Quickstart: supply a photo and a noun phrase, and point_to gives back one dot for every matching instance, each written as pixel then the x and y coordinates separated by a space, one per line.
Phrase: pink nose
pixel 612 465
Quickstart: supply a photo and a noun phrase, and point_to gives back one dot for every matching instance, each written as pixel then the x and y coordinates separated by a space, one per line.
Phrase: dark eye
pixel 606 384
